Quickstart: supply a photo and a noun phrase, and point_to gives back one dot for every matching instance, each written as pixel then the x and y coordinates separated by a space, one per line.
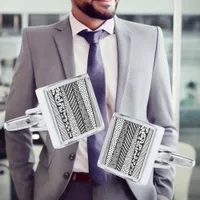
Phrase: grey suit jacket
pixel 143 93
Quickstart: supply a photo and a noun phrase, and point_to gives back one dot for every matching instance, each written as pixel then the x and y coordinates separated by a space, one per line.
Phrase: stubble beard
pixel 90 10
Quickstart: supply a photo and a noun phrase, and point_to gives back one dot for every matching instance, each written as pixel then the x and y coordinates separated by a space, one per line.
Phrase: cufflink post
pixel 166 157
pixel 32 120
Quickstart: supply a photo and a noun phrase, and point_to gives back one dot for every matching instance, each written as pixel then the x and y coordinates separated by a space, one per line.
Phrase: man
pixel 134 81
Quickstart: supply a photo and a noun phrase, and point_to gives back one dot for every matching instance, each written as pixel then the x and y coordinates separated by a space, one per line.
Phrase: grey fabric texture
pixel 143 93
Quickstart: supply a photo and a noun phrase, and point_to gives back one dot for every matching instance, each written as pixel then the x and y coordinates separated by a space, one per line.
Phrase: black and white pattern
pixel 121 148
pixel 72 109
pixel 72 118
pixel 127 147
pixel 61 118
pixel 134 130
pixel 135 170
pixel 113 140
pixel 84 93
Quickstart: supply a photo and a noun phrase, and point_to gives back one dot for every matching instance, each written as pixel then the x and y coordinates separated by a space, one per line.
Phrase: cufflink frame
pixel 32 120
pixel 132 148
pixel 68 110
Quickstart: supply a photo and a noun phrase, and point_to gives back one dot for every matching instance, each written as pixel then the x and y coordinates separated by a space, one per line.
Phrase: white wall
pixel 54 6
pixel 125 6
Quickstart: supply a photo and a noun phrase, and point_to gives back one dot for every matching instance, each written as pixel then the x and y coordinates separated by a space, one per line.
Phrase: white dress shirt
pixel 108 46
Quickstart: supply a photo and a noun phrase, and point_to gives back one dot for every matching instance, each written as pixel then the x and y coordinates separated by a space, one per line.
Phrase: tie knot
pixel 91 37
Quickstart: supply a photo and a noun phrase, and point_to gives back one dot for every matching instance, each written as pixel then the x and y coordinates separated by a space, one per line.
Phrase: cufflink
pixel 166 157
pixel 33 120
pixel 68 110
pixel 132 149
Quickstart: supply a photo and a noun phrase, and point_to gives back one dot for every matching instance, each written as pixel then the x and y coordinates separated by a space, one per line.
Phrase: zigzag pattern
pixel 57 117
pixel 121 156
pixel 74 127
pixel 85 117
pixel 113 140
pixel 87 101
pixel 123 148
pixel 69 90
pixel 129 128
pixel 135 172
pixel 127 161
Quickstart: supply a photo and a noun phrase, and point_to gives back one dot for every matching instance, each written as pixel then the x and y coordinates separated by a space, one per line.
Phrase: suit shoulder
pixel 38 30
pixel 143 30
pixel 41 35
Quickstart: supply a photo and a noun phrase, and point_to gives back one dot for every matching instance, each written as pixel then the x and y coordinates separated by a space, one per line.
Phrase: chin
pixel 104 11
pixel 103 14
pixel 98 11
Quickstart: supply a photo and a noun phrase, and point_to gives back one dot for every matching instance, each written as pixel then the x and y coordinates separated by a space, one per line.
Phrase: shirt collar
pixel 77 26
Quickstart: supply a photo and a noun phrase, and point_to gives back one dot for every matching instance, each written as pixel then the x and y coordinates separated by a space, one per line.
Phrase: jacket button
pixel 72 156
pixel 66 175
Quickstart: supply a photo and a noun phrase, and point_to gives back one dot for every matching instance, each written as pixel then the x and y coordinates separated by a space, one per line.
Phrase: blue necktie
pixel 96 73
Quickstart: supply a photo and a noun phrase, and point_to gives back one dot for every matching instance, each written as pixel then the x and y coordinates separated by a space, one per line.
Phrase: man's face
pixel 99 9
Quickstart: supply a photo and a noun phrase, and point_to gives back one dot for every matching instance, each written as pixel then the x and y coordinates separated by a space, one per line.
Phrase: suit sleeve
pixel 19 143
pixel 160 112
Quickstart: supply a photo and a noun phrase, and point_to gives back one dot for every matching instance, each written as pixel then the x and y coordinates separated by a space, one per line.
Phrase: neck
pixel 90 22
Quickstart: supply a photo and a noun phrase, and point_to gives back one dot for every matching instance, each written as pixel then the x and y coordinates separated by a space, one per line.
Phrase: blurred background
pixel 17 14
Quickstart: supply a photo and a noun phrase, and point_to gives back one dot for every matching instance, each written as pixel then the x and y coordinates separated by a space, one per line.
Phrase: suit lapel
pixel 124 48
pixel 64 42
